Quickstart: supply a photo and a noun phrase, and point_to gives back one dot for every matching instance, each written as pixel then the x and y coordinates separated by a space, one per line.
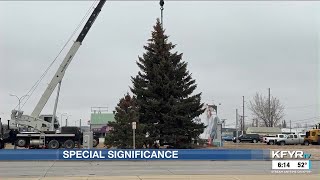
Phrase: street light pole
pixel 67 120
pixel 19 99
pixel 134 126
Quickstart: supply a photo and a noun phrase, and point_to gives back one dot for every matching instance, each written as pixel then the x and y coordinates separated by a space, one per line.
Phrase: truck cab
pixel 48 118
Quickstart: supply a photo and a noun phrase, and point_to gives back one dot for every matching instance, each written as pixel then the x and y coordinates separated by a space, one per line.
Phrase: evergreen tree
pixel 121 134
pixel 164 90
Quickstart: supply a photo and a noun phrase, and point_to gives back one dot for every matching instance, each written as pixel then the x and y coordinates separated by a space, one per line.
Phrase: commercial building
pixel 100 117
pixel 264 130
pixel 294 130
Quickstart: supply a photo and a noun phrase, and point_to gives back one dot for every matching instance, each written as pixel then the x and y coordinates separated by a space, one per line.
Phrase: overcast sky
pixel 233 49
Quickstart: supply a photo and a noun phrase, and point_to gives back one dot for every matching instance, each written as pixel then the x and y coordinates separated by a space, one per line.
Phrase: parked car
pixel 254 138
pixel 261 138
pixel 291 139
pixel 227 138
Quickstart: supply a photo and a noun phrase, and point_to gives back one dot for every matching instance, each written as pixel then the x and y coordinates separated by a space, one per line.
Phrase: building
pixel 228 132
pixel 264 130
pixel 100 117
pixel 294 130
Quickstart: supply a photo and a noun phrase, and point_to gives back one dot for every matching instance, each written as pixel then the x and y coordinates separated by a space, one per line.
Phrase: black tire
pixel 306 143
pixel 282 143
pixel 53 144
pixel 238 141
pixel 69 144
pixel 2 145
pixel 271 142
pixel 95 142
pixel 254 141
pixel 21 142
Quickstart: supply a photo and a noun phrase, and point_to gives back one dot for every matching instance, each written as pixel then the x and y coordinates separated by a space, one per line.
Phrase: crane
pixel 47 123
pixel 37 130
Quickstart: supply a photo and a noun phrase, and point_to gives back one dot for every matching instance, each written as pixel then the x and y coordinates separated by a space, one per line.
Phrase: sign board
pixel 134 125
pixel 130 154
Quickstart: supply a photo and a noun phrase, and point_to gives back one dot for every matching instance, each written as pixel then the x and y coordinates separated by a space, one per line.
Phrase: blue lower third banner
pixel 129 154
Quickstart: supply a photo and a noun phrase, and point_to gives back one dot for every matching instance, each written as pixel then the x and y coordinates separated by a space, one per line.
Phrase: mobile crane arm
pixel 67 60
pixel 34 121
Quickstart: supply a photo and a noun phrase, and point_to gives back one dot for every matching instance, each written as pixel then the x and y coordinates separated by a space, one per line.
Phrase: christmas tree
pixel 164 89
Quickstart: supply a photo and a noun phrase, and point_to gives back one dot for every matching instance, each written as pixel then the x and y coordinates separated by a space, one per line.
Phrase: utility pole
pixel 242 113
pixel 80 123
pixel 269 110
pixel 290 126
pixel 237 129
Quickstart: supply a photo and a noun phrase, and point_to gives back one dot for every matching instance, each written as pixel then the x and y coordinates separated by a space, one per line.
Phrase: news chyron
pixel 291 162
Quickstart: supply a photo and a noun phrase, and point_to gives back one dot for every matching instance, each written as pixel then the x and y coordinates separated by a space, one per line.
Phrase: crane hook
pixel 161 8
pixel 161 3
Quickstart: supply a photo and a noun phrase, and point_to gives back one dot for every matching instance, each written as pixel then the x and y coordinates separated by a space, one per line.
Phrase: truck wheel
pixel 271 142
pixel 21 142
pixel 282 143
pixel 2 145
pixel 306 143
pixel 238 141
pixel 95 142
pixel 254 141
pixel 69 144
pixel 53 144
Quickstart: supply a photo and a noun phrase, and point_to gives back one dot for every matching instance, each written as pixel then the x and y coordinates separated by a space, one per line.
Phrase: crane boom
pixel 57 78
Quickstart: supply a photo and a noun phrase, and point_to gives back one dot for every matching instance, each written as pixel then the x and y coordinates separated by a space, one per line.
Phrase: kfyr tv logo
pixel 289 155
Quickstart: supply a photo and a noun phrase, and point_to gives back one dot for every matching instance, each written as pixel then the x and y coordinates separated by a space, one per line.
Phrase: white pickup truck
pixel 292 139
pixel 271 140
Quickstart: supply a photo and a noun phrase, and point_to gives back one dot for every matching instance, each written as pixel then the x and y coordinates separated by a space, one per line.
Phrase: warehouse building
pixel 264 130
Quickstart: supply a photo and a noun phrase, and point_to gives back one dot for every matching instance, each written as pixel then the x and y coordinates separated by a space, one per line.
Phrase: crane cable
pixel 33 88
pixel 161 9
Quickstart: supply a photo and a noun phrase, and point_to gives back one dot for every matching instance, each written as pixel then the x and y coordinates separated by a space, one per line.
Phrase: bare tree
pixel 268 116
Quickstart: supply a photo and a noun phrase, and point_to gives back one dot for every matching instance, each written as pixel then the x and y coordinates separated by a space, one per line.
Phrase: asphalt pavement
pixel 40 169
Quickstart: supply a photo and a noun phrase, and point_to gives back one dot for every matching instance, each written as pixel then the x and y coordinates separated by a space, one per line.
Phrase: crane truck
pixel 42 131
